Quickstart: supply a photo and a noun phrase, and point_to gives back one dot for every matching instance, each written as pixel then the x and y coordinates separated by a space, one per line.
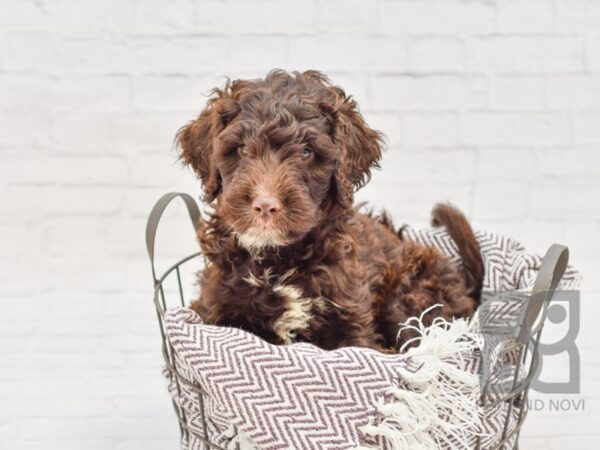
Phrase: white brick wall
pixel 491 104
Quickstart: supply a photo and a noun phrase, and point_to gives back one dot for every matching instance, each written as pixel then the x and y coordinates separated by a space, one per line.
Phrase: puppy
pixel 289 258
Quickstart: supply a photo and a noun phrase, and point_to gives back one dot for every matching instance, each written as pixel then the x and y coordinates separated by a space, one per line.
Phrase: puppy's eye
pixel 242 150
pixel 307 153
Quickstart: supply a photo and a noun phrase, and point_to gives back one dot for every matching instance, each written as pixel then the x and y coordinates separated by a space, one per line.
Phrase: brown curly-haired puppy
pixel 289 258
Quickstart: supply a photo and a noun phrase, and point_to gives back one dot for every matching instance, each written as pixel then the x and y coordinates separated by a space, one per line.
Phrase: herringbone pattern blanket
pixel 301 397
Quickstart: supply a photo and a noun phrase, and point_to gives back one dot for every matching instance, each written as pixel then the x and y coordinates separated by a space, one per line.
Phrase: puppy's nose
pixel 266 206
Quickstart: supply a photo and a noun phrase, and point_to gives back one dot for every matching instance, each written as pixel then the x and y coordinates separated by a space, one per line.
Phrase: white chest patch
pixel 298 309
pixel 297 314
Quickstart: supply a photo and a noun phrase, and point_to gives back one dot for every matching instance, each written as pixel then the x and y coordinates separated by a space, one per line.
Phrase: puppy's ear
pixel 358 145
pixel 196 140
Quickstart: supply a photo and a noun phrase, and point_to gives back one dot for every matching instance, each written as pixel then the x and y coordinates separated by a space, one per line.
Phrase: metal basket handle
pixel 154 219
pixel 551 272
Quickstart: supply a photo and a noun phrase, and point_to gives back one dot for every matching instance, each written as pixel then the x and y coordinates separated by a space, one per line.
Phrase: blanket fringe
pixel 437 405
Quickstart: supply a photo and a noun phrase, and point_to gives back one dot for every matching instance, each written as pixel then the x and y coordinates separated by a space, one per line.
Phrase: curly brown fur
pixel 289 257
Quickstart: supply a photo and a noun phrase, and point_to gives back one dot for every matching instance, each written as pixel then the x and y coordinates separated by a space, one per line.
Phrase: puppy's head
pixel 274 153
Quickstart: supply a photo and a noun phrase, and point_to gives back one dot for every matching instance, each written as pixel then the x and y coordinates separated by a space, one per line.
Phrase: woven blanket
pixel 261 396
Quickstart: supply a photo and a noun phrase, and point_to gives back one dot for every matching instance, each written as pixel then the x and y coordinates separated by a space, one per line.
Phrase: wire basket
pixel 513 401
